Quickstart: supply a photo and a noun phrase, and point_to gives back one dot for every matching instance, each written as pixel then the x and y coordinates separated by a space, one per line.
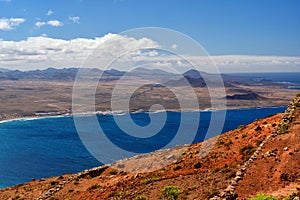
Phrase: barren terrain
pixel 19 98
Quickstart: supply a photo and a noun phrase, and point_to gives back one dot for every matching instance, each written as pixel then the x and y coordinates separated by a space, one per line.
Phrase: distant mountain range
pixel 194 77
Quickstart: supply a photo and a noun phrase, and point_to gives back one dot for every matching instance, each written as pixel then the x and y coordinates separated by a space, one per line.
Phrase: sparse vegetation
pixel 141 197
pixel 263 197
pixel 225 141
pixel 244 135
pixel 176 167
pixel 228 172
pixel 247 151
pixel 259 141
pixel 215 170
pixel 113 172
pixel 172 193
pixel 76 182
pixel 297 104
pixel 231 174
pixel 241 126
pixel 53 183
pixel 150 180
pixel 93 187
pixel 282 128
pixel 211 194
pixel 120 195
pixel 293 195
pixel 17 198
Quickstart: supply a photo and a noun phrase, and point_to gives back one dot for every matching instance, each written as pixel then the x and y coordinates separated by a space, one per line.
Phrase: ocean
pixel 46 147
pixel 290 77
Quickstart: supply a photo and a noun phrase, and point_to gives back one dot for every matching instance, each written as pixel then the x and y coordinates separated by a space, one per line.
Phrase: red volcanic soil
pixel 196 174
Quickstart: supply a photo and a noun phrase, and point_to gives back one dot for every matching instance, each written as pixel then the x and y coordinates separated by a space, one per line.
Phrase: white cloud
pixel 74 19
pixel 43 52
pixel 50 12
pixel 249 63
pixel 11 23
pixel 39 24
pixel 55 23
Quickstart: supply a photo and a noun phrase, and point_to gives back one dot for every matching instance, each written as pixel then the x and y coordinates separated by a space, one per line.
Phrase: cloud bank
pixel 43 52
pixel 10 23
pixel 55 23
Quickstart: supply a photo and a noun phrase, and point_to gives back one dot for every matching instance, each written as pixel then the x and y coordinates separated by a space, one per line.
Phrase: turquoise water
pixel 51 146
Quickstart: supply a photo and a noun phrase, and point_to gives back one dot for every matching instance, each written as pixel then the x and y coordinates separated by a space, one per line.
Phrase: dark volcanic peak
pixel 149 72
pixel 113 72
pixel 195 78
pixel 50 73
pixel 199 79
pixel 192 73
pixel 70 73
pixel 245 96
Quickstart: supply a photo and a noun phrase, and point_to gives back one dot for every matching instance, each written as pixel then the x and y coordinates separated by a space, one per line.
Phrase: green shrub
pixel 244 135
pixel 172 193
pixel 282 128
pixel 263 197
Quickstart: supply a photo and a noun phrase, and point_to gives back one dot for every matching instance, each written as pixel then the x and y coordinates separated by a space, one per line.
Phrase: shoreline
pixel 19 117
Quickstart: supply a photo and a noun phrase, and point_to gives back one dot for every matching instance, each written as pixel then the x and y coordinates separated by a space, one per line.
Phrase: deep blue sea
pixel 51 146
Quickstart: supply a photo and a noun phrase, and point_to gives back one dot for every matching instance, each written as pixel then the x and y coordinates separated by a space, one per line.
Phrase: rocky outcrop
pixel 246 96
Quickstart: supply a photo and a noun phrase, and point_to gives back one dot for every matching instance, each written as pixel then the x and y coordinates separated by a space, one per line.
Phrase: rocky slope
pixel 262 157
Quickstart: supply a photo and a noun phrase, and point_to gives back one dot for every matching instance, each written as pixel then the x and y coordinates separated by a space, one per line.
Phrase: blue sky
pixel 261 27
pixel 231 27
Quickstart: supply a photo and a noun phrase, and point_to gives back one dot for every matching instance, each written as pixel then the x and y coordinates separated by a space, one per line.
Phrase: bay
pixel 47 147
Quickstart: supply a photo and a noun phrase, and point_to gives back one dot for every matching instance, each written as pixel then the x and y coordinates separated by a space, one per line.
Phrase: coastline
pixel 19 117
